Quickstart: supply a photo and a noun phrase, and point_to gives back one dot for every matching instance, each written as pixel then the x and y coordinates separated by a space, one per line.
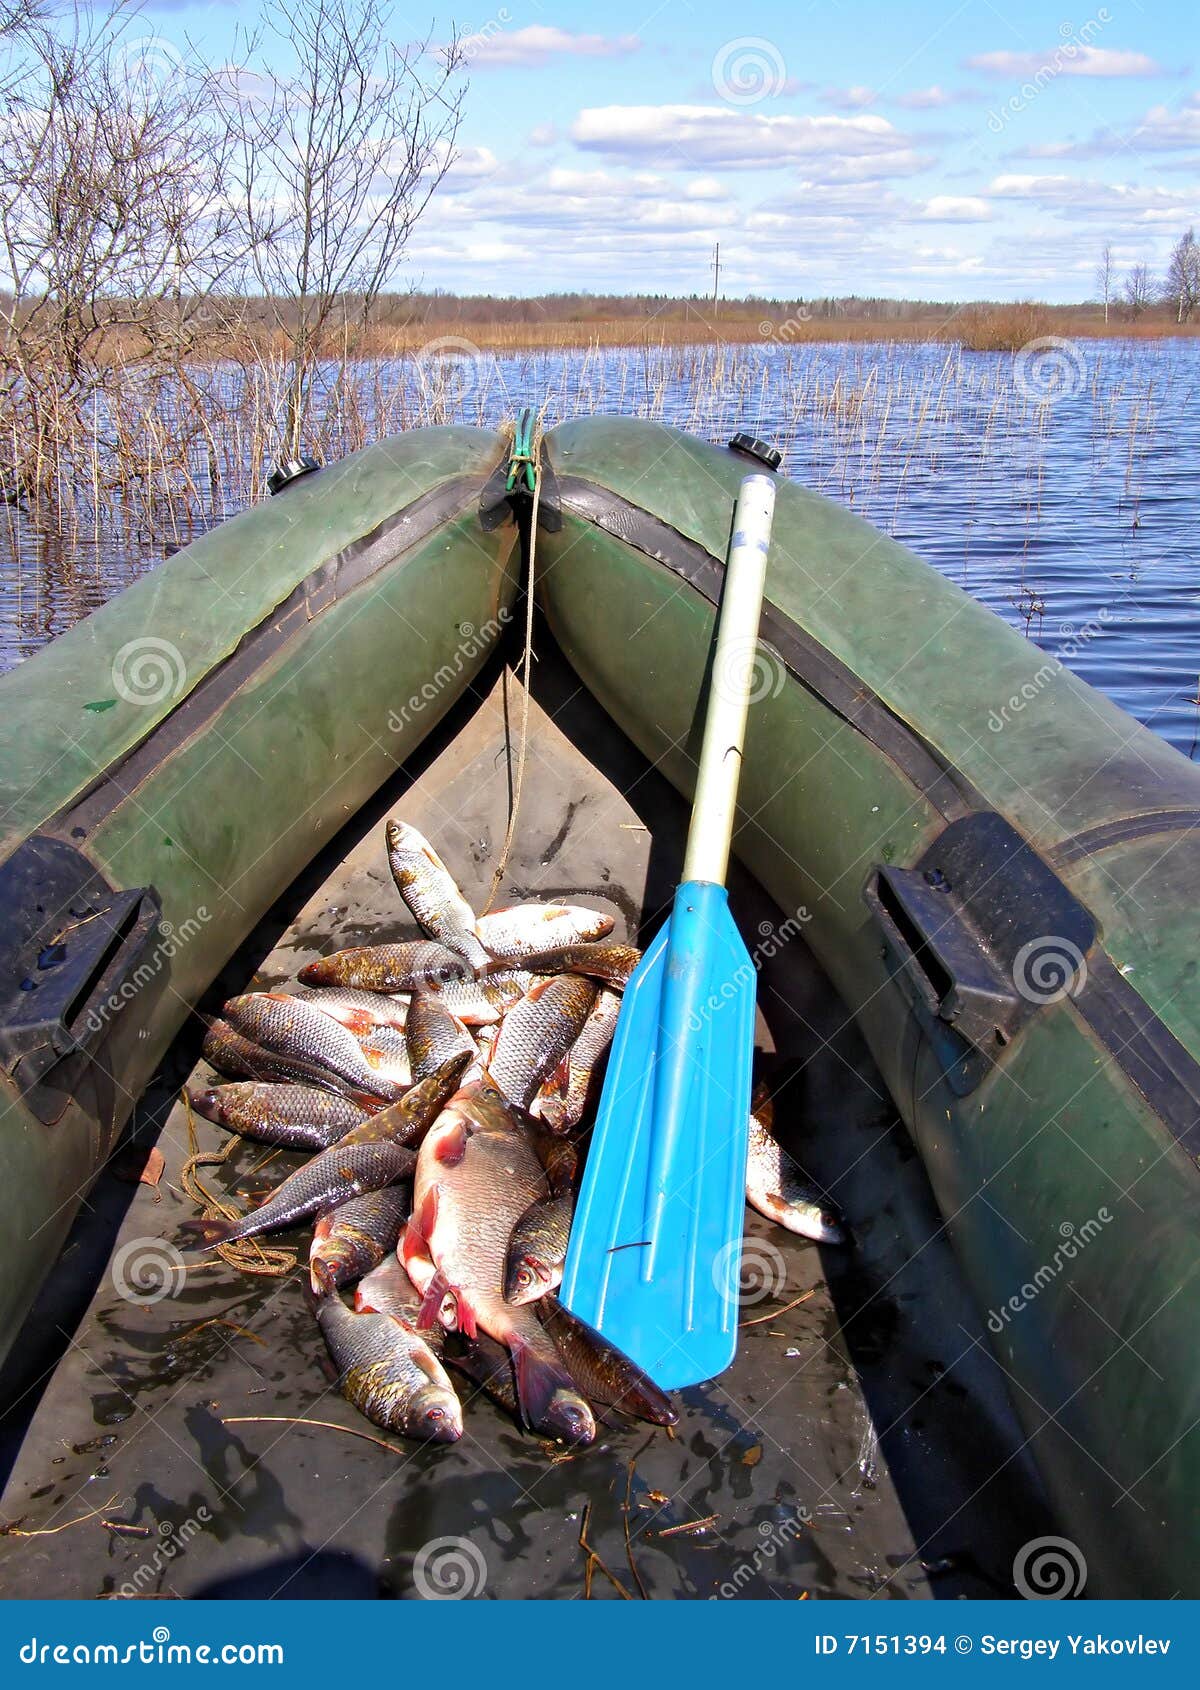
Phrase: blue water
pixel 1062 490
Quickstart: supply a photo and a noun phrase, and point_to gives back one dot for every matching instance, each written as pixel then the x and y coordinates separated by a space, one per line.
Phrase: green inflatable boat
pixel 993 864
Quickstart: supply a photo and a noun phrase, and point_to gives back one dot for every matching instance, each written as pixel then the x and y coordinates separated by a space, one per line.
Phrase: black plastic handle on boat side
pixel 979 935
pixel 70 949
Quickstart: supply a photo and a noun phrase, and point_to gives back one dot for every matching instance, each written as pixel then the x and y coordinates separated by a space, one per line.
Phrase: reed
pixel 159 455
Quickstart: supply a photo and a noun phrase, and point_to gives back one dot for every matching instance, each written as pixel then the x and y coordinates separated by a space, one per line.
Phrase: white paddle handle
pixel 736 673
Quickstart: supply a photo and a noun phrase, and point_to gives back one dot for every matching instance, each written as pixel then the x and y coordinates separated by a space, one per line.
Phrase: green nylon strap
pixel 521 468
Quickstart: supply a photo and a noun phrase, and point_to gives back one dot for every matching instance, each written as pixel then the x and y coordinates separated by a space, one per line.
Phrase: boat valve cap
pixel 288 470
pixel 747 446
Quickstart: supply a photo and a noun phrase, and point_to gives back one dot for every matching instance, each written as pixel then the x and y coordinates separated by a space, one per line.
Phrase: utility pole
pixel 716 270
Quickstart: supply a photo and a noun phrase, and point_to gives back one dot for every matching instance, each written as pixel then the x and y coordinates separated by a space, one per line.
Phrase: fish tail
pixel 539 1376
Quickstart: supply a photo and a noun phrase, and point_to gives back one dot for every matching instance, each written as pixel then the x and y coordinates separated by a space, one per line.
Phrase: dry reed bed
pixel 159 461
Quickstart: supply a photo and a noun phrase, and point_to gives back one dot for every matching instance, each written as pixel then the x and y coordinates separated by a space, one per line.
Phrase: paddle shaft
pixel 735 669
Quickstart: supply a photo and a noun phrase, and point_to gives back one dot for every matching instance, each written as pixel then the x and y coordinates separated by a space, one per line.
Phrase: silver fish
pixel 389 1373
pixel 357 1010
pixel 434 1035
pixel 536 1035
pixel 293 1028
pixel 778 1189
pixel 477 1173
pixel 411 965
pixel 563 1110
pixel 431 893
pixel 522 930
pixel 291 1117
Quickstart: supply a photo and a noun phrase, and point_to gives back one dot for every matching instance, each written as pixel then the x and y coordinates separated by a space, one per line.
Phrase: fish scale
pixel 536 1035
pixel 512 934
pixel 410 965
pixel 290 1117
pixel 389 1373
pixel 464 1211
pixel 230 1052
pixel 352 1239
pixel 562 1111
pixel 371 1156
pixel 293 1028
pixel 431 892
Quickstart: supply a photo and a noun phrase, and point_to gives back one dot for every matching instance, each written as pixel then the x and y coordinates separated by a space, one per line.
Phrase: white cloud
pixel 1069 58
pixel 705 188
pixel 1165 129
pixel 955 208
pixel 836 148
pixel 1082 199
pixel 849 99
pixel 537 43
pixel 927 99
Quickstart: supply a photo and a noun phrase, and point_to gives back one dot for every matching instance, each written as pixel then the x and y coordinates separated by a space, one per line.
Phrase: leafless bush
pixel 115 233
pixel 334 162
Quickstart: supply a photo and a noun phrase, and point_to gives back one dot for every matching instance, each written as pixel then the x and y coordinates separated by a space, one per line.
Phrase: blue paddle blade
pixel 655 1252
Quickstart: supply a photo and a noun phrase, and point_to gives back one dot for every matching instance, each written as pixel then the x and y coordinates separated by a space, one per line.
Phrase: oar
pixel 656 1242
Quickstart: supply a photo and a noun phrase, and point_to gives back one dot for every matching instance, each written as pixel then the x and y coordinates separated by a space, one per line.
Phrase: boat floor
pixel 861 1446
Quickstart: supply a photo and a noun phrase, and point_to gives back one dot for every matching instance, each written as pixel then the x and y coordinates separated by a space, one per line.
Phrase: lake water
pixel 1061 488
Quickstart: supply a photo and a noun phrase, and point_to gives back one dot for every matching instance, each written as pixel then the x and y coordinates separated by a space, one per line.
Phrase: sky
pixel 984 149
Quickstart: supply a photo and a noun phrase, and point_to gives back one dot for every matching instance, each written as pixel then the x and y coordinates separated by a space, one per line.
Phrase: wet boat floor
pixel 862 1445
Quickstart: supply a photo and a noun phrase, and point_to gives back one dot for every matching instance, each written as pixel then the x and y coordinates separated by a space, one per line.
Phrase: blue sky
pixel 950 151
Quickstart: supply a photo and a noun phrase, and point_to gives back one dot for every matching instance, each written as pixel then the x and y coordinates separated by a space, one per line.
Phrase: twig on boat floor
pixel 245 1254
pixel 637 1577
pixel 690 1527
pixel 242 1331
pixel 126 1529
pixel 292 1420
pixel 594 1561
pixel 17 1530
pixel 777 1314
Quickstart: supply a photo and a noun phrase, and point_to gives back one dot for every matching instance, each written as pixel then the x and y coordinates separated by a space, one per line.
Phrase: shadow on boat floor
pixel 861 1446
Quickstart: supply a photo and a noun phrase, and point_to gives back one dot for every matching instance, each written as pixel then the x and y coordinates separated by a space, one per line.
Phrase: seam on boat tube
pixel 1157 1065
pixel 811 664
pixel 323 587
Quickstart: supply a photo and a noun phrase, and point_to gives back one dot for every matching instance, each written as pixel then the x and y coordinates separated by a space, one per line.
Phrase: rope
pixel 525 465
pixel 247 1254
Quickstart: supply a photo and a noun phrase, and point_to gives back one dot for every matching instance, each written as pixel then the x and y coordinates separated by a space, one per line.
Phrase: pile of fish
pixel 443 1086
